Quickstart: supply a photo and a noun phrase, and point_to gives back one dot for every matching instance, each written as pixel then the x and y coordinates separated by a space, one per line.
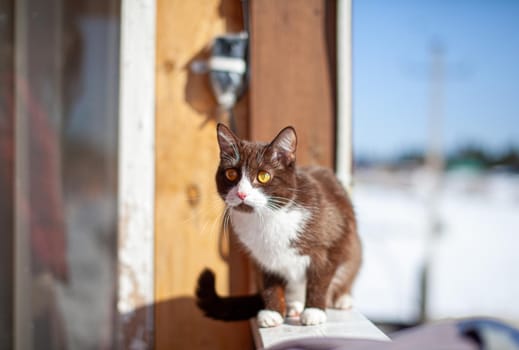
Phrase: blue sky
pixel 391 60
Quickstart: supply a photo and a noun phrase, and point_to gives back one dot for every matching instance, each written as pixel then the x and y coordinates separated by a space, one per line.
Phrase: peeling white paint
pixel 344 160
pixel 136 173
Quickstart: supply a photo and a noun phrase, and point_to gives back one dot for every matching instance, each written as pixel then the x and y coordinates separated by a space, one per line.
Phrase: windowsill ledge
pixel 349 324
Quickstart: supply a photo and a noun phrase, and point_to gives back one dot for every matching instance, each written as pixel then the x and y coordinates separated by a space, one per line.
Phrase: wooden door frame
pixel 136 180
pixel 137 154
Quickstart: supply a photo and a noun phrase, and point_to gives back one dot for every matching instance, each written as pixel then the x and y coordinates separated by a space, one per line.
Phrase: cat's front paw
pixel 312 316
pixel 269 318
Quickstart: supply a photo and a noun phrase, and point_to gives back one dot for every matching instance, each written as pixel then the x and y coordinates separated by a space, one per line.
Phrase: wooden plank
pixel 292 60
pixel 347 324
pixel 188 210
pixel 136 182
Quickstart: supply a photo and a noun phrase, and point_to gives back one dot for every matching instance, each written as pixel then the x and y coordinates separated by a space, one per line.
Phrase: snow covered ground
pixel 473 262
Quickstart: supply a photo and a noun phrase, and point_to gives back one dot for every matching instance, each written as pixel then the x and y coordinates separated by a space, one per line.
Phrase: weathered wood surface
pixel 292 59
pixel 188 209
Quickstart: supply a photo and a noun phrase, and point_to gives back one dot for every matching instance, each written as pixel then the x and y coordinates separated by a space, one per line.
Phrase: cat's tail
pixel 225 308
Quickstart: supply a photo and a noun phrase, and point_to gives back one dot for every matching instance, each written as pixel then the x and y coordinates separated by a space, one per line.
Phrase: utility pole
pixel 434 157
pixel 434 164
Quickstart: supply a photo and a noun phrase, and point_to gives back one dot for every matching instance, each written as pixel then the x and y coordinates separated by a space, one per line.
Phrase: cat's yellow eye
pixel 231 174
pixel 264 177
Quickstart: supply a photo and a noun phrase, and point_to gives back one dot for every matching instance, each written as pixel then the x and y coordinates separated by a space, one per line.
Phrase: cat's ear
pixel 284 146
pixel 228 142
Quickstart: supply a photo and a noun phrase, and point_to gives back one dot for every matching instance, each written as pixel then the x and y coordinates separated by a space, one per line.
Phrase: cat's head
pixel 254 175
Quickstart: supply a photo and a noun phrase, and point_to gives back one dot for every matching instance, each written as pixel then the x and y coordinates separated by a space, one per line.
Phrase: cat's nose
pixel 241 195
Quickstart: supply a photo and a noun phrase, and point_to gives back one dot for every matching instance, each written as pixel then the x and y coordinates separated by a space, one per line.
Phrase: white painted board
pixel 348 324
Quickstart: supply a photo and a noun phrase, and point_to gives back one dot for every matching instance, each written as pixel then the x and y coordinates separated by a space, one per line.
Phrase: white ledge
pixel 348 324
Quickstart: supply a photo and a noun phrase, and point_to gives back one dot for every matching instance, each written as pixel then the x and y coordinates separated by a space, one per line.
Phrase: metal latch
pixel 227 68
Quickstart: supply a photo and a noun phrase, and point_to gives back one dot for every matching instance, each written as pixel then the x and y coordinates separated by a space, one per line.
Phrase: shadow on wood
pixel 197 91
pixel 190 329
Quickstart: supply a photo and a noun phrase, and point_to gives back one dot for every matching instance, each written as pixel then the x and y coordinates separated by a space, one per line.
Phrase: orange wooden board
pixel 188 209
pixel 292 60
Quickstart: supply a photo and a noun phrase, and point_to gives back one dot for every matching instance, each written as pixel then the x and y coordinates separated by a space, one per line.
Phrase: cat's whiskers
pixel 261 217
pixel 226 217
pixel 219 218
pixel 197 213
pixel 300 189
pixel 280 202
pixel 277 203
pixel 300 205
pixel 201 215
pixel 213 224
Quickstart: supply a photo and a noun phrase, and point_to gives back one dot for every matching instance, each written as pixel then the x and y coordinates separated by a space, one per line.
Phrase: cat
pixel 297 224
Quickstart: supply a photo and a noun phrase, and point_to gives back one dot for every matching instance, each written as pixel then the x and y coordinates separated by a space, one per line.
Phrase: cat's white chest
pixel 269 235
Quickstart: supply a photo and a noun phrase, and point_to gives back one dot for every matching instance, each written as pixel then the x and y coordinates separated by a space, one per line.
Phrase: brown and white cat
pixel 297 224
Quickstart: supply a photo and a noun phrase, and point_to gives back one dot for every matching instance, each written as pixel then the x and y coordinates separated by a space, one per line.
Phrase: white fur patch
pixel 295 293
pixel 313 316
pixel 294 308
pixel 269 318
pixel 268 235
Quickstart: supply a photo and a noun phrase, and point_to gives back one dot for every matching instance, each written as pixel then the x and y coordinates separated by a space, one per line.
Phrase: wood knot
pixel 193 195
pixel 169 65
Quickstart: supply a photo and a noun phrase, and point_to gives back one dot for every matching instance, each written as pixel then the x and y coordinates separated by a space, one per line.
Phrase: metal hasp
pixel 227 68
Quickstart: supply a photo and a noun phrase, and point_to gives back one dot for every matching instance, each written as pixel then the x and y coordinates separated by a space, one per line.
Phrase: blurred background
pixel 58 174
pixel 436 152
pixel 431 122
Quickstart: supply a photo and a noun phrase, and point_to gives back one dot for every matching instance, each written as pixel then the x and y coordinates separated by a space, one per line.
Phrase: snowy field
pixel 472 261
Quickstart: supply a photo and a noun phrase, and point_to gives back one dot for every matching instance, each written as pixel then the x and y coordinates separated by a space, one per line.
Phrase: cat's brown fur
pixel 325 241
